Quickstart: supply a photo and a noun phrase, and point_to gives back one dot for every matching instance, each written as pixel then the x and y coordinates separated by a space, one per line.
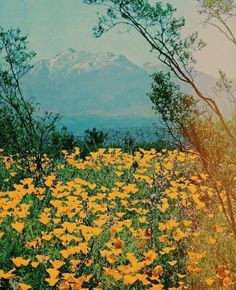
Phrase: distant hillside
pixel 100 90
pixel 205 82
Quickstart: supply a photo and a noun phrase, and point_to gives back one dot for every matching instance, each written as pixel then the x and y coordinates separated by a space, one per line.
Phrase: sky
pixel 54 26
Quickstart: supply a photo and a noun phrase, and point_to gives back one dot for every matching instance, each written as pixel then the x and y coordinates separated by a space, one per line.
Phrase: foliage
pixel 218 14
pixel 22 131
pixel 103 223
pixel 94 137
pixel 158 25
pixel 226 86
pixel 218 6
pixel 170 102
pixel 61 140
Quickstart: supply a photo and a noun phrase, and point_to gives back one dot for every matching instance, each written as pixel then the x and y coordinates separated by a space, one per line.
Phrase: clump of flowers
pixel 111 221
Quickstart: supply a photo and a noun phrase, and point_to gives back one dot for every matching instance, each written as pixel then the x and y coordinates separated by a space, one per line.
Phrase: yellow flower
pixel 166 250
pixel 169 166
pixel 157 271
pixel 165 205
pixel 53 273
pixel 142 220
pixel 44 218
pixel 132 259
pixel 66 253
pixel 181 276
pixel 157 287
pixel 163 238
pixel 179 235
pixel 42 258
pixel 111 272
pixel 19 261
pixel 171 224
pixel 64 286
pixel 49 180
pixel 57 264
pixel 142 278
pixel 69 227
pixel 209 281
pixel 24 286
pixel 68 277
pixel 227 281
pixel 128 279
pixel 47 237
pixel 211 241
pixel 172 263
pixel 34 264
pixel 52 281
pixel 8 275
pixel 150 256
pixel 17 226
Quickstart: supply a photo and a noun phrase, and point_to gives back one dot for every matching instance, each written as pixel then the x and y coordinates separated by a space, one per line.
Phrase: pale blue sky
pixel 55 25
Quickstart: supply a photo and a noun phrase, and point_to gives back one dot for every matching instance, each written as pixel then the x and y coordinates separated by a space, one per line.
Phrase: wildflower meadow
pixel 113 220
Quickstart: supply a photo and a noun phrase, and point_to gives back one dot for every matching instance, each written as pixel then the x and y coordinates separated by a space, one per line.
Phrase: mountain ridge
pixel 95 88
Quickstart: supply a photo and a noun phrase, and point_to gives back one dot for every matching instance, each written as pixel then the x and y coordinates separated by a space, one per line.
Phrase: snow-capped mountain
pixel 72 60
pixel 97 89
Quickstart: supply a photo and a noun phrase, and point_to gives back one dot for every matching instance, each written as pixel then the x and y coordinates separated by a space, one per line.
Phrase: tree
pixel 176 109
pixel 218 13
pixel 62 140
pixel 23 132
pixel 158 25
pixel 94 137
pixel 187 121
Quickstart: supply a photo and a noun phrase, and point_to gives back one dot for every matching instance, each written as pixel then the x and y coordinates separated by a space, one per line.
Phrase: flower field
pixel 113 221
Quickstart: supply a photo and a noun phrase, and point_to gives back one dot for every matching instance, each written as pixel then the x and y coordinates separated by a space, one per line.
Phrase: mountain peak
pixel 96 86
pixel 72 60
